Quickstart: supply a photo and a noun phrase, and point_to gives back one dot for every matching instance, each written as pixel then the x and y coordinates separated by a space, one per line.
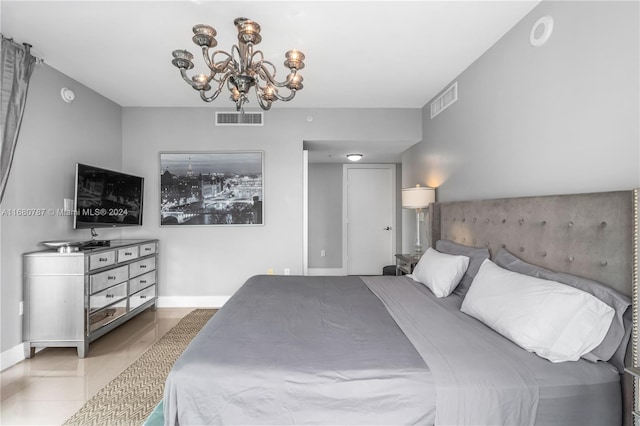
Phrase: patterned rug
pixel 131 397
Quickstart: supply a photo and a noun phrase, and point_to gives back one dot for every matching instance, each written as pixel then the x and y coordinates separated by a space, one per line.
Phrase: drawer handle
pixel 102 259
pixel 110 296
pixel 128 253
pixel 142 296
pixel 147 249
pixel 143 281
pixel 143 266
pixel 111 277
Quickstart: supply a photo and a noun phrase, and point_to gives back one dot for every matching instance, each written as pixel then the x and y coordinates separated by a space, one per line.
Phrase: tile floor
pixel 50 387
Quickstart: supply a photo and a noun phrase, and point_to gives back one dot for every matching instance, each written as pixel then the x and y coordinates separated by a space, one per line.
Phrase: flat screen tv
pixel 106 198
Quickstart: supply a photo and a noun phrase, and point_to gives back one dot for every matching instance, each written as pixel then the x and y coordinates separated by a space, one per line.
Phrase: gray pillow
pixel 614 345
pixel 476 257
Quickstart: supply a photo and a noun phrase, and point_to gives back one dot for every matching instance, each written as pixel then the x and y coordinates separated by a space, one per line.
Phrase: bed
pixel 387 350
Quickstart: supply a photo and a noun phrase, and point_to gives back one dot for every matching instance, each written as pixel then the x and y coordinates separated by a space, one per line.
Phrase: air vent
pixel 239 119
pixel 443 101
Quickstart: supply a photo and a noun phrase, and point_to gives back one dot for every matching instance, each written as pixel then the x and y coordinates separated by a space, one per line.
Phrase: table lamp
pixel 418 198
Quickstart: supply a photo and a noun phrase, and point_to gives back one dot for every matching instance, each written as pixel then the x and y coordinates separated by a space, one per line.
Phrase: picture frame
pixel 214 188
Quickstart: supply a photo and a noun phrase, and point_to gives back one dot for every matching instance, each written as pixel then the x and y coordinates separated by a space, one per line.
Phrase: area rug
pixel 131 397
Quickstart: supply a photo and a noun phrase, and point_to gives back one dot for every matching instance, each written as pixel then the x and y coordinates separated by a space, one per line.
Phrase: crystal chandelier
pixel 241 70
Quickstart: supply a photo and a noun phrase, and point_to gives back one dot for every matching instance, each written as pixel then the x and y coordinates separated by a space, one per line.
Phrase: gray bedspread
pixel 325 350
pixel 287 350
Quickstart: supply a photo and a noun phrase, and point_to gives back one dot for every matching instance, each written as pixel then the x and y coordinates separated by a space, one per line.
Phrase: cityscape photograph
pixel 211 188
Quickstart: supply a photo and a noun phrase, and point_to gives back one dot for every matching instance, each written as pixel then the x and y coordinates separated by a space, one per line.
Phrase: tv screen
pixel 106 198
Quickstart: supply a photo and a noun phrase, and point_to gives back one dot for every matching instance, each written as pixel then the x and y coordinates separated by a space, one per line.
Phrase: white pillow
pixel 556 321
pixel 440 272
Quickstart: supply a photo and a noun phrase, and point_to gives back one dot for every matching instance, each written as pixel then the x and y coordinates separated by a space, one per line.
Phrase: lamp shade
pixel 418 198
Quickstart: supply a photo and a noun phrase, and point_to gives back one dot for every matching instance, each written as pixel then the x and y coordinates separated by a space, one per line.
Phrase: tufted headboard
pixel 588 235
pixel 595 236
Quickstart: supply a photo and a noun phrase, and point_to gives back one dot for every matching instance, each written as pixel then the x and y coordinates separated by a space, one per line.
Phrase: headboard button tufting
pixel 571 224
pixel 543 223
pixel 570 259
pixel 521 221
pixel 544 254
pixel 521 249
pixel 604 263
pixel 603 225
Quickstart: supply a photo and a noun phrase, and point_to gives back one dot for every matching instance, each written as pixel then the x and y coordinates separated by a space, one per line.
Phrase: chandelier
pixel 244 68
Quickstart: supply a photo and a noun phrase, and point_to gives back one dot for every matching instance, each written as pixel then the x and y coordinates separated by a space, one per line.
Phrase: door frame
pixel 345 195
pixel 305 212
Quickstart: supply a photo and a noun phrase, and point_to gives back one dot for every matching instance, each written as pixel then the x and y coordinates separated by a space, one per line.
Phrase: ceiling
pixel 359 54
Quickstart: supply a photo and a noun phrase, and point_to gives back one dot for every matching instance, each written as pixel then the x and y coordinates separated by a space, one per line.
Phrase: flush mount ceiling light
pixel 354 157
pixel 240 70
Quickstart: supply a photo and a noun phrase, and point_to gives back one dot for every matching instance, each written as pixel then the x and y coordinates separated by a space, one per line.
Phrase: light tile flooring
pixel 50 387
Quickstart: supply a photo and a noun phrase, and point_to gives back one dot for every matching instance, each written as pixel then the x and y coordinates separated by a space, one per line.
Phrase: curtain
pixel 16 67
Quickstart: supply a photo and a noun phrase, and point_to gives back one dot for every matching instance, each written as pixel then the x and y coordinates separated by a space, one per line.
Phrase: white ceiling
pixel 364 54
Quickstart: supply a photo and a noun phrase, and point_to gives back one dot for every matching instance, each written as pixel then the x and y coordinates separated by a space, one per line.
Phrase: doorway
pixel 369 217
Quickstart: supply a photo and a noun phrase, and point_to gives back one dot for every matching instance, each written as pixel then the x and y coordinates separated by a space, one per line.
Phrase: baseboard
pixel 16 354
pixel 12 356
pixel 326 272
pixel 192 301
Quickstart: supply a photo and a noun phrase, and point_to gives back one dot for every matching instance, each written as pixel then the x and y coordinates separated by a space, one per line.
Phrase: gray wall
pixel 214 260
pixel 325 215
pixel 54 136
pixel 561 118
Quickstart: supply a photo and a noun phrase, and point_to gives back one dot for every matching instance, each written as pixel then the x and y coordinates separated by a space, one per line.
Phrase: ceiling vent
pixel 445 100
pixel 239 119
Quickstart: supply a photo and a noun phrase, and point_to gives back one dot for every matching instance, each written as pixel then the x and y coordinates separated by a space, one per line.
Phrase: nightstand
pixel 405 263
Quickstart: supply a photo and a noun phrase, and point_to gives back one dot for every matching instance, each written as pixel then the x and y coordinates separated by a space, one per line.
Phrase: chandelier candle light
pixel 241 70
pixel 418 198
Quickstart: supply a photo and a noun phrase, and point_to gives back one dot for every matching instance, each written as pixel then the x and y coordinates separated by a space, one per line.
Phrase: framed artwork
pixel 212 188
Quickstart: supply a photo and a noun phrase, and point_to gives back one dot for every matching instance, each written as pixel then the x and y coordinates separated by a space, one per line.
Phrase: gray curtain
pixel 17 65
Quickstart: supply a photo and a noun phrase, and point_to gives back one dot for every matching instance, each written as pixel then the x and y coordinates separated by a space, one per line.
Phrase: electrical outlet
pixel 323 253
pixel 287 271
pixel 270 271
pixel 20 308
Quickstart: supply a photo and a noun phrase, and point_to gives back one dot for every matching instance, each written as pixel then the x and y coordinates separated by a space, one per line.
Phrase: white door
pixel 369 217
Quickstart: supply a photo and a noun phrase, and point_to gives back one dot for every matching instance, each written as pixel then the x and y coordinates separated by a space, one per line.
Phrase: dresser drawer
pixel 142 266
pixel 138 283
pixel 108 278
pixel 100 260
pixel 107 297
pixel 105 316
pixel 142 297
pixel 128 253
pixel 147 249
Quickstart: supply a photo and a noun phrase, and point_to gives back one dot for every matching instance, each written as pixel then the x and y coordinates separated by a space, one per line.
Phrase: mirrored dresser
pixel 73 298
